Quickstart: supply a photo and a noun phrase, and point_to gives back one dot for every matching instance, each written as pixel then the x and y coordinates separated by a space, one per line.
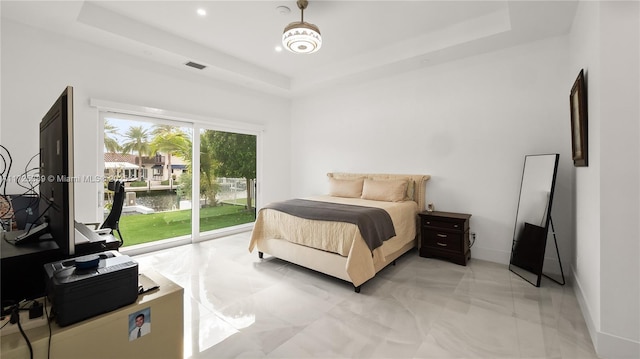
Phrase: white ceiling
pixel 236 40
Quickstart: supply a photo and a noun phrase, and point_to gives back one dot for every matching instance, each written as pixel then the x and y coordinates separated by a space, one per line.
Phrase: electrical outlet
pixel 8 328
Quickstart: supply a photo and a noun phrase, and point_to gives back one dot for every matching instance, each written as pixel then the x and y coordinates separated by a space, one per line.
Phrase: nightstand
pixel 445 235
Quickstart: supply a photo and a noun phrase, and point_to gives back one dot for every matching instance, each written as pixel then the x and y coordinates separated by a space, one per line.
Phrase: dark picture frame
pixel 578 104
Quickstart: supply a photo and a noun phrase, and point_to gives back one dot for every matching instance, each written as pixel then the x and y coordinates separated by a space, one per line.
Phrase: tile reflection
pixel 237 305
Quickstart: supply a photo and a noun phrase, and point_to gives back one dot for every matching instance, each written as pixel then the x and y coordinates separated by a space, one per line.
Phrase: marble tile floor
pixel 239 306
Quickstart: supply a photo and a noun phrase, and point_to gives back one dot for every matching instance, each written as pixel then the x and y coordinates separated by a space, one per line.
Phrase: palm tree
pixel 169 139
pixel 137 139
pixel 208 166
pixel 110 143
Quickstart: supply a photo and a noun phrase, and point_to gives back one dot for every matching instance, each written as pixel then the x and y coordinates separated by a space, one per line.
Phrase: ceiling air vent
pixel 195 65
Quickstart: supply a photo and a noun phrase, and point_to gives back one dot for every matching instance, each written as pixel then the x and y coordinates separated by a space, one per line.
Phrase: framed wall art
pixel 579 140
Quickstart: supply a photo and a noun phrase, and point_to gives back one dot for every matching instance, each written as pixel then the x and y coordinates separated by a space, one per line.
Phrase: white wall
pixel 467 123
pixel 620 173
pixel 605 40
pixel 37 65
pixel 585 54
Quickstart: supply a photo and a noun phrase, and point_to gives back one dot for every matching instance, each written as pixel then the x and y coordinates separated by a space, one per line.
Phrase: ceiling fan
pixel 302 37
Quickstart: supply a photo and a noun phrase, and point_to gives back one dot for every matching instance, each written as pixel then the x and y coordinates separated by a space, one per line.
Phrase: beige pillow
pixel 411 188
pixel 390 190
pixel 410 183
pixel 351 188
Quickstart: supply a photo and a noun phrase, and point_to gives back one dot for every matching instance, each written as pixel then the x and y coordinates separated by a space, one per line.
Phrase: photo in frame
pixel 139 324
pixel 578 104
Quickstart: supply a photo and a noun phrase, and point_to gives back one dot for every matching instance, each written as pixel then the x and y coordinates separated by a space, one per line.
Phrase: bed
pixel 338 248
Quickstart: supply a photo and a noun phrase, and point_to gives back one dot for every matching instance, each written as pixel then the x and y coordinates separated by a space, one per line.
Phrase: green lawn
pixel 143 228
pixel 237 201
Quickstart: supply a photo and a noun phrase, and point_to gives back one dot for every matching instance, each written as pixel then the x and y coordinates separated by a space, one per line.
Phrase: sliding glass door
pixel 152 159
pixel 227 179
pixel 173 193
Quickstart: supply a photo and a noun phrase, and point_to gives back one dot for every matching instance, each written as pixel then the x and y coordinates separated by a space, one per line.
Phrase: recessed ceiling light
pixel 202 12
pixel 283 10
pixel 278 48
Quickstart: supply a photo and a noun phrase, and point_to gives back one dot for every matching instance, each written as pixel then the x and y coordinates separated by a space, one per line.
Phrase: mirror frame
pixel 536 236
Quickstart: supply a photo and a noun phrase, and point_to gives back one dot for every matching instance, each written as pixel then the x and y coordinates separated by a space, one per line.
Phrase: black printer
pixel 82 287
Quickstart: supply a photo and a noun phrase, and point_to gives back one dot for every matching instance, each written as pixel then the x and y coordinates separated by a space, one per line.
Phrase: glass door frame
pixel 196 123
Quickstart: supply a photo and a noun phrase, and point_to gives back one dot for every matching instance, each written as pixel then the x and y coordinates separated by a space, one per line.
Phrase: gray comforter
pixel 375 224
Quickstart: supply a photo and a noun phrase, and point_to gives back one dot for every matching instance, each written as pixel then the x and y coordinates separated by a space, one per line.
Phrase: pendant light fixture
pixel 302 37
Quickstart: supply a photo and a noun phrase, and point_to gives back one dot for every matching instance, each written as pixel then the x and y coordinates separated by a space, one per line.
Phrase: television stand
pixel 22 272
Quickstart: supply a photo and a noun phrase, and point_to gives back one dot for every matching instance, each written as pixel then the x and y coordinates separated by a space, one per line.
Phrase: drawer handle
pixel 428 222
pixel 441 244
pixel 441 235
pixel 455 226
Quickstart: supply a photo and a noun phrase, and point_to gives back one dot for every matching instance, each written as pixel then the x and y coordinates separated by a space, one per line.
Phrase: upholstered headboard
pixel 416 192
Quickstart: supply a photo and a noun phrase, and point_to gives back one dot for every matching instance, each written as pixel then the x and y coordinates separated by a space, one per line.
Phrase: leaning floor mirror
pixel 533 217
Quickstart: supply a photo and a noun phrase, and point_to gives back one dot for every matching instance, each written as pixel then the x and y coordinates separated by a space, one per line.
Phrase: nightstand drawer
pixel 450 241
pixel 438 223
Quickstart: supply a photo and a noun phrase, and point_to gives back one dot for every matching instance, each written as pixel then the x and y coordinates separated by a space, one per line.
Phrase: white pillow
pixel 351 188
pixel 384 190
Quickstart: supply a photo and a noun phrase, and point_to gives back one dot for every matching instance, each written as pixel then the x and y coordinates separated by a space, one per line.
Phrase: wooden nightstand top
pixel 445 214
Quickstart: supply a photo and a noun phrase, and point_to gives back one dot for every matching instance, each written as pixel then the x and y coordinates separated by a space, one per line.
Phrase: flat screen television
pixel 56 172
pixel 56 177
pixel 22 269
